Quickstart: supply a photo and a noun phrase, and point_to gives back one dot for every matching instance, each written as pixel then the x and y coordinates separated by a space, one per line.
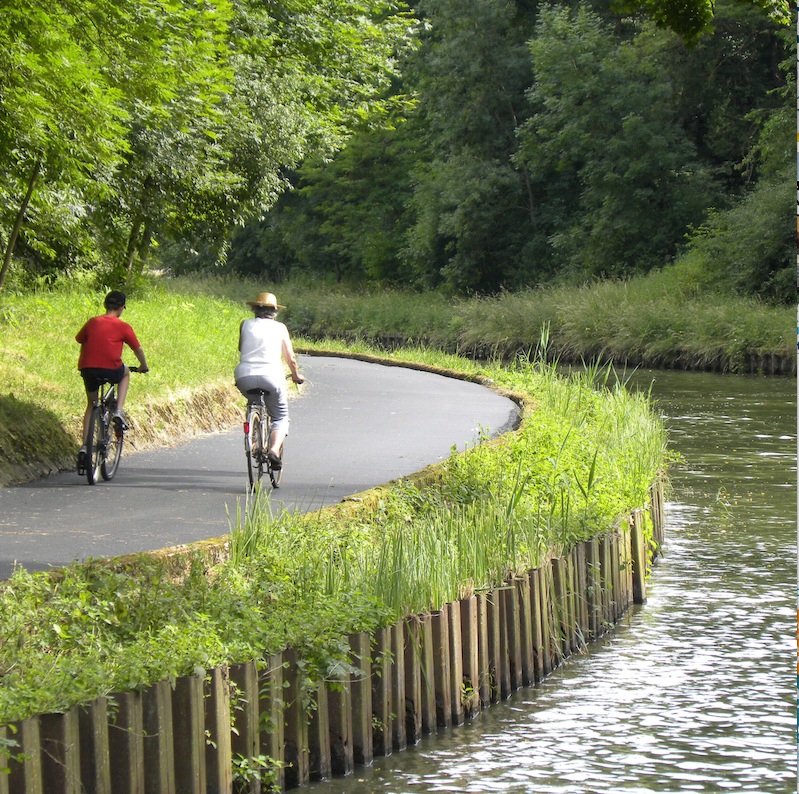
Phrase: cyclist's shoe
pixel 274 461
pixel 82 461
pixel 118 418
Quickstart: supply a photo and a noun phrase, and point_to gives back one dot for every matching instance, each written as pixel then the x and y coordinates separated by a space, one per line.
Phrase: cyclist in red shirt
pixel 101 340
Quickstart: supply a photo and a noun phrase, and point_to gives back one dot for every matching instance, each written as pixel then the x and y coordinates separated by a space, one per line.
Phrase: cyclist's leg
pixel 91 396
pixel 277 406
pixel 92 386
pixel 122 387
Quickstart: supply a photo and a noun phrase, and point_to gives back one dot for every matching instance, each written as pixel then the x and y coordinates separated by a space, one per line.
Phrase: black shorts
pixel 93 376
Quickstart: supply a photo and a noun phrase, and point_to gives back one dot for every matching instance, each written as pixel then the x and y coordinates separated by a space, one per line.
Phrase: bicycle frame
pixel 257 429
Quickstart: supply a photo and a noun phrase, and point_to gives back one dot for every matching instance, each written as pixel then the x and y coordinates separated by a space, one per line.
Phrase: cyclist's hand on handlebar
pixel 298 379
pixel 142 370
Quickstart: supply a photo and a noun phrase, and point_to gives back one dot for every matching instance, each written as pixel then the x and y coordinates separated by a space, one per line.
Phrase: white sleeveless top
pixel 262 348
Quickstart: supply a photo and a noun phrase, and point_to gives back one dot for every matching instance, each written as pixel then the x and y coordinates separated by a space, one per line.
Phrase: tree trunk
pixel 132 247
pixel 12 238
pixel 136 268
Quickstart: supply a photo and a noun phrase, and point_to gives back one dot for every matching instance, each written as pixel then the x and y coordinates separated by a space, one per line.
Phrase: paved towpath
pixel 355 425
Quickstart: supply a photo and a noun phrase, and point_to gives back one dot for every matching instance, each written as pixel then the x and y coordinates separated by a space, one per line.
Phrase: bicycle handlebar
pixel 138 369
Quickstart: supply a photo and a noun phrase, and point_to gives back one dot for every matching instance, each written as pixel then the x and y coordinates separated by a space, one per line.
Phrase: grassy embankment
pixel 583 456
pixel 656 321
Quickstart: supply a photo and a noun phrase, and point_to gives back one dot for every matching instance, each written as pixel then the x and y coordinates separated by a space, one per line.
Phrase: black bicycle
pixel 106 435
pixel 257 429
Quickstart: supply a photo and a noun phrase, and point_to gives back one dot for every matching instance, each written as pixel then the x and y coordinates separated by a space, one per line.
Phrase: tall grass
pixel 587 452
pixel 657 319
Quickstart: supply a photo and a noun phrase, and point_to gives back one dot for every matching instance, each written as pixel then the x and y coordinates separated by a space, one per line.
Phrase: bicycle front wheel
pixel 256 454
pixel 113 450
pixel 95 446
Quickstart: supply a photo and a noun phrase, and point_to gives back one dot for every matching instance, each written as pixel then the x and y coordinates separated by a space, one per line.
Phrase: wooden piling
pixel 412 628
pixel 25 768
pixel 456 662
pixel 319 760
pixel 536 637
pixel 244 738
pixel 638 558
pixel 428 675
pixel 361 693
pixel 483 652
pixel 581 586
pixel 441 667
pixel 159 748
pixel 495 654
pixel 560 608
pixel 618 597
pixel 340 716
pixel 470 656
pixel 218 751
pixel 381 693
pixel 295 720
pixel 514 632
pixel 547 618
pixel 272 714
pixel 398 735
pixel 95 761
pixel 60 752
pixel 606 578
pixel 522 585
pixel 188 717
pixel 126 743
pixel 594 589
pixel 626 563
pixel 5 735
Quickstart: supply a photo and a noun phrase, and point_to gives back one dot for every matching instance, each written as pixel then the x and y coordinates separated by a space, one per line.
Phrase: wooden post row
pixel 424 672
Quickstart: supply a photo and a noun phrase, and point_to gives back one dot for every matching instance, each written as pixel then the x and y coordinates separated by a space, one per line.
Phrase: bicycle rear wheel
pixel 254 448
pixel 113 450
pixel 95 446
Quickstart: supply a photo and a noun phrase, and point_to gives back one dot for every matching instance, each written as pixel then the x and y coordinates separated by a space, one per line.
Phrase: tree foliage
pixel 474 147
pixel 560 142
pixel 151 121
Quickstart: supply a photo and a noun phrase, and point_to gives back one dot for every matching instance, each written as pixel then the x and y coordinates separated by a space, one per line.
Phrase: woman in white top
pixel 264 343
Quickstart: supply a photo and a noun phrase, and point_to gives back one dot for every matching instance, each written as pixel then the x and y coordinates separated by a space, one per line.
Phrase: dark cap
pixel 114 300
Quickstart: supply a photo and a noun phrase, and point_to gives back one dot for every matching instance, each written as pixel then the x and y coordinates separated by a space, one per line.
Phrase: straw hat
pixel 266 299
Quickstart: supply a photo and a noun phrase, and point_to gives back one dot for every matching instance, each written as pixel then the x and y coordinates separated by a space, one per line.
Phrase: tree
pixel 472 207
pixel 604 137
pixel 690 19
pixel 60 117
pixel 304 74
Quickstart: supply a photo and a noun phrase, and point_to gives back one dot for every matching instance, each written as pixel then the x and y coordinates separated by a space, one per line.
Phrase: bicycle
pixel 106 435
pixel 257 429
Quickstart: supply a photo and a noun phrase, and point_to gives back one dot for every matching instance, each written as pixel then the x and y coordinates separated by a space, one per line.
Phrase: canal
pixel 695 690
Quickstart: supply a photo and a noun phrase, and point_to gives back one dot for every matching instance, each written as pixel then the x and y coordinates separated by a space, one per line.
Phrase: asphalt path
pixel 354 426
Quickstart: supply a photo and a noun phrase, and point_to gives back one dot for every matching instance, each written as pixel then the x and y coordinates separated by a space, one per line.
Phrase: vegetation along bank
pixel 586 454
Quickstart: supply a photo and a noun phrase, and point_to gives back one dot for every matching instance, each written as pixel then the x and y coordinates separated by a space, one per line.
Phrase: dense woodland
pixel 472 147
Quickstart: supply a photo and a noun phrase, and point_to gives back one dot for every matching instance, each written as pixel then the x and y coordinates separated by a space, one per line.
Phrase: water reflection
pixel 694 691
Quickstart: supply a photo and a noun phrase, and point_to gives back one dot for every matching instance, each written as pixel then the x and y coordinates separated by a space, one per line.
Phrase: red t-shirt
pixel 101 341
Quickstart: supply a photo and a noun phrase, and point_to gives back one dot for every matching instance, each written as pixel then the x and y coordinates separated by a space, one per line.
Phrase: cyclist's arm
pixel 139 353
pixel 291 359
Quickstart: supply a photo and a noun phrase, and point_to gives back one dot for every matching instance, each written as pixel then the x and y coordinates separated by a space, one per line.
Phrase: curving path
pixel 356 425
